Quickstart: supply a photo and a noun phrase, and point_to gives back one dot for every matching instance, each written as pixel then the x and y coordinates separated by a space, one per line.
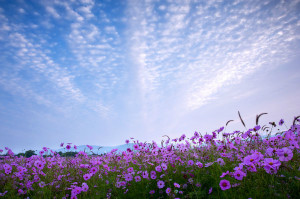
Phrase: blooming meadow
pixel 256 163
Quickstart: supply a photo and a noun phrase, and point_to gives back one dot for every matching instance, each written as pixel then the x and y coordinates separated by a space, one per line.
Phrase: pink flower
pixel 164 166
pixel 75 147
pixel 61 144
pixel 199 164
pixel 40 165
pixel 160 184
pixel 68 147
pixel 190 163
pixel 224 184
pixel 285 154
pixel 168 190
pixel 128 177
pixel 224 174
pixel 271 165
pixel 210 190
pixel 158 168
pixel 130 169
pixel 176 185
pixel 87 176
pixel 145 174
pixel 42 184
pixel 85 187
pixel 136 147
pixel 238 174
pixel 137 178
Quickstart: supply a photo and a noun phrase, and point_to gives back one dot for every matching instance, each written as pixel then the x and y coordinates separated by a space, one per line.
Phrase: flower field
pixel 255 163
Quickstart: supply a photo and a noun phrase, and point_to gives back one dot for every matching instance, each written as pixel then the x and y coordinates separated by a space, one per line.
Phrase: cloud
pixel 52 11
pixel 198 53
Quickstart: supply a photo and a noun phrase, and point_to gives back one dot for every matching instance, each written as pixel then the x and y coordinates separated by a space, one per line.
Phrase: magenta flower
pixel 90 147
pixel 199 164
pixel 136 147
pixel 61 144
pixel 285 154
pixel 128 177
pixel 158 168
pixel 130 169
pixel 42 184
pixel 75 147
pixel 68 147
pixel 168 190
pixel 127 141
pixel 271 166
pixel 160 184
pixel 225 184
pixel 190 163
pixel 210 190
pixel 137 178
pixel 176 185
pixel 145 174
pixel 281 122
pixel 84 187
pixel 224 174
pixel 164 166
pixel 238 174
pixel 87 176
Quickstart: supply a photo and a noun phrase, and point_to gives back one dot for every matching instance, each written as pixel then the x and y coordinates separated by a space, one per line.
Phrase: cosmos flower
pixel 281 122
pixel 225 184
pixel 168 190
pixel 160 184
pixel 238 174
pixel 137 178
pixel 285 154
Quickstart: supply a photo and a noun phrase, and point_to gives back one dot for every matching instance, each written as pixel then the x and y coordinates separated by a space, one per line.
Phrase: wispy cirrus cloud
pixel 197 48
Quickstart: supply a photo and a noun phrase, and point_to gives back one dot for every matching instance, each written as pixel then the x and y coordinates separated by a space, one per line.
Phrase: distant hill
pixel 98 149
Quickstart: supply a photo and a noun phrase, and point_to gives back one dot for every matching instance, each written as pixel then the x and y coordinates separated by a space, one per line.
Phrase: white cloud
pixel 53 12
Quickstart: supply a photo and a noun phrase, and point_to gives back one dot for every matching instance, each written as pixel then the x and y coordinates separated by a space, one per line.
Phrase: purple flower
pixel 168 190
pixel 84 187
pixel 164 166
pixel 130 169
pixel 42 184
pixel 285 154
pixel 176 185
pixel 160 184
pixel 271 166
pixel 87 176
pixel 145 174
pixel 224 174
pixel 238 174
pixel 137 178
pixel 128 177
pixel 152 192
pixel 68 147
pixel 199 164
pixel 158 168
pixel 224 184
pixel 281 122
pixel 190 163
pixel 127 141
pixel 210 190
pixel 136 147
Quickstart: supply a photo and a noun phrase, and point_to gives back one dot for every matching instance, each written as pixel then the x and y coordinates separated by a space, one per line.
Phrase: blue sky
pixel 100 72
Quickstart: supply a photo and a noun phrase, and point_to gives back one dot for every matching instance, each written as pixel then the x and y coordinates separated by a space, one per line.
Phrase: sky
pixel 100 72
